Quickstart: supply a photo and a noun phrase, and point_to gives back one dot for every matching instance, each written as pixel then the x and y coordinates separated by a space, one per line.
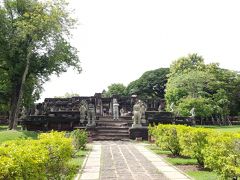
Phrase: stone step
pixel 110 138
pixel 115 128
pixel 114 121
pixel 111 125
pixel 112 133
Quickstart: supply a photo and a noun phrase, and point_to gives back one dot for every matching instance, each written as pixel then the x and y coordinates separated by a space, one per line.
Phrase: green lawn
pixel 6 135
pixel 234 128
pixel 198 175
pixel 77 161
pixel 181 161
pixel 203 175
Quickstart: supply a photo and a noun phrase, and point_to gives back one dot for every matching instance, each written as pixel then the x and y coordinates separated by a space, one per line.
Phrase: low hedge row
pixel 44 158
pixel 214 150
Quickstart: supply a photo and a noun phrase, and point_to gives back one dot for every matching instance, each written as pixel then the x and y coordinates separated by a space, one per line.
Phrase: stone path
pixel 117 160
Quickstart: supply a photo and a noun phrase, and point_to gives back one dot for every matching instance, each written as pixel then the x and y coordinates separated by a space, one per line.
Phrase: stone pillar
pixel 115 110
pixel 91 115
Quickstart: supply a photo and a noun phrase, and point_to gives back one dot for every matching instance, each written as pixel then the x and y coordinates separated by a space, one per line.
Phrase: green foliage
pixel 167 137
pixel 203 175
pixel 181 161
pixel 202 106
pixel 193 141
pixel 186 64
pixel 79 139
pixel 192 83
pixel 76 163
pixel 222 154
pixel 34 43
pixel 45 158
pixel 150 84
pixel 215 150
pixel 7 135
pixel 115 89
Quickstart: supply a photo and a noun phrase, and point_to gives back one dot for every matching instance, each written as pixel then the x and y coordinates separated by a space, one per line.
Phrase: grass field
pixel 196 174
pixel 234 128
pixel 6 135
pixel 77 161
pixel 203 175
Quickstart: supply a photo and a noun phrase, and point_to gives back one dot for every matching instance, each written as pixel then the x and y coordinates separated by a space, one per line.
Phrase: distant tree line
pixel 188 83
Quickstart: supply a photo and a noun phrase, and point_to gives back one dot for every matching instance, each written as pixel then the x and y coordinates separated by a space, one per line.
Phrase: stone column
pixel 115 110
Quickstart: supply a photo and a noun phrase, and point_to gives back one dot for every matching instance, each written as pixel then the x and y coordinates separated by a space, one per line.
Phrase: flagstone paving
pixel 119 160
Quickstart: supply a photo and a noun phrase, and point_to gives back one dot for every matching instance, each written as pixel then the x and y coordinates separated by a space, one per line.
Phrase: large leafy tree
pixel 208 88
pixel 114 89
pixel 34 43
pixel 151 84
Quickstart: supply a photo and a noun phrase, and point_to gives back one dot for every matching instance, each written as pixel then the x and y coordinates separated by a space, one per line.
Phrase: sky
pixel 119 40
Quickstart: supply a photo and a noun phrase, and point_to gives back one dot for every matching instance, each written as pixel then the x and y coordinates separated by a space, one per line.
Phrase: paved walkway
pixel 126 161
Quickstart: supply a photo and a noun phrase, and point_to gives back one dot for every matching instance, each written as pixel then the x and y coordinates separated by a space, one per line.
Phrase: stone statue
pixel 23 113
pixel 115 110
pixel 160 108
pixel 91 115
pixel 122 112
pixel 172 107
pixel 137 114
pixel 192 111
pixel 143 110
pixel 36 111
pixel 83 110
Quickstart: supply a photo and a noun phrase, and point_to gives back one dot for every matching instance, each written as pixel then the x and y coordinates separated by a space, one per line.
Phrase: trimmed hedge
pixel 192 142
pixel 45 158
pixel 217 151
pixel 167 137
pixel 222 154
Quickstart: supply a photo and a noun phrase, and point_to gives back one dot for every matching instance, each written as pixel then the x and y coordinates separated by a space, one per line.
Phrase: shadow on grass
pixel 29 134
pixel 3 127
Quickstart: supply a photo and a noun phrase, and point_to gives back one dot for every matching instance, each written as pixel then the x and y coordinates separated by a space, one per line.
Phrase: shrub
pixel 79 139
pixel 60 150
pixel 45 158
pixel 193 141
pixel 167 137
pixel 222 154
pixel 24 159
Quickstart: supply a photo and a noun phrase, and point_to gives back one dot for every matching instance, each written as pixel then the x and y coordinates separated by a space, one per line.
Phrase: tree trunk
pixel 17 98
pixel 13 102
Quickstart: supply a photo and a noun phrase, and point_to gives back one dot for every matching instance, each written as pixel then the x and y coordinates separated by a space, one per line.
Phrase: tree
pixel 33 45
pixel 213 90
pixel 186 64
pixel 115 89
pixel 151 84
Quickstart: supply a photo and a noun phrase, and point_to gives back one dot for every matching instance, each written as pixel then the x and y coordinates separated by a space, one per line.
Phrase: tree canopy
pixel 208 88
pixel 114 89
pixel 34 43
pixel 150 84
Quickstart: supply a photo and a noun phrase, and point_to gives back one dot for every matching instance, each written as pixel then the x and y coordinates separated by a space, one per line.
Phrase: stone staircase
pixel 108 129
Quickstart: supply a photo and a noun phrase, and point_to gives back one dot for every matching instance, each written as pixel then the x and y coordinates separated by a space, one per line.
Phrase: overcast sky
pixel 118 40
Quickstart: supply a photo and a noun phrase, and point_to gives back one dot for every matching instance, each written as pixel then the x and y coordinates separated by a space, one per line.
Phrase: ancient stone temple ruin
pixel 105 118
